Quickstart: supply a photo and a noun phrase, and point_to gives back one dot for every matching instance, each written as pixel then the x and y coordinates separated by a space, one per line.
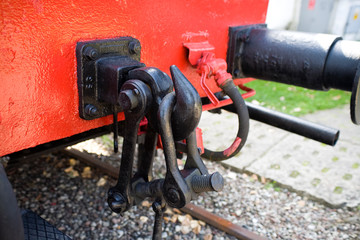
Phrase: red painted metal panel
pixel 38 98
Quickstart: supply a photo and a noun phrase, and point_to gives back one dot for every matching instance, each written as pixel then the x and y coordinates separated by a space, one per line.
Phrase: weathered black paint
pixel 314 61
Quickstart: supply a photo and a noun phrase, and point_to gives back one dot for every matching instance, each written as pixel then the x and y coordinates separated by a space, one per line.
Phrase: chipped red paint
pixel 233 147
pixel 39 99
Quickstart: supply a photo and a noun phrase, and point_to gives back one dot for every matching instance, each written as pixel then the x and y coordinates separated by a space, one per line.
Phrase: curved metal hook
pixel 187 110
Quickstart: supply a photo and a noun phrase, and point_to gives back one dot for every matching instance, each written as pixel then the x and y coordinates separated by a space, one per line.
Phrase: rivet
pixel 134 47
pixel 91 53
pixel 91 110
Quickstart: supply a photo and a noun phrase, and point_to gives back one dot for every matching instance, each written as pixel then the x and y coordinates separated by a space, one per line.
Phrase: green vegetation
pixel 275 166
pixel 347 176
pixel 338 190
pixel 305 163
pixel 274 185
pixel 295 100
pixel 355 165
pixel 315 182
pixel 294 174
pixel 107 140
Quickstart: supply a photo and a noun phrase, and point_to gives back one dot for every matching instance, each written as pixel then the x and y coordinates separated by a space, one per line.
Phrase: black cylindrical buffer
pixel 314 61
pixel 342 65
pixel 294 58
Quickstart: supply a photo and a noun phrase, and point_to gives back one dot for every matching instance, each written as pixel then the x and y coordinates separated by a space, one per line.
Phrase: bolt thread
pixel 213 182
pixel 201 184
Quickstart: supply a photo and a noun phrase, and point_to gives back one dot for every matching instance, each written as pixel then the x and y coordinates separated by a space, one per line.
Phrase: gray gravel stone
pixel 268 210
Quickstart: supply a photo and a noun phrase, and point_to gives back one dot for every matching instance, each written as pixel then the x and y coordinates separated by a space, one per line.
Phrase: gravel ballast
pixel 72 196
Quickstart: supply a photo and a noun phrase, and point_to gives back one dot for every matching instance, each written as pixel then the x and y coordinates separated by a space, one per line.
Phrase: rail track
pixel 191 209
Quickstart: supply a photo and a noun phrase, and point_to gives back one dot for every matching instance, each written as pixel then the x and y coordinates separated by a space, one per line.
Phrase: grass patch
pixel 347 176
pixel 108 140
pixel 294 174
pixel 295 100
pixel 338 190
pixel 315 182
pixel 274 185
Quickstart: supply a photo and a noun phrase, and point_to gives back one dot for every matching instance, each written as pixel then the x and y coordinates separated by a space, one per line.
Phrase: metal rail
pixel 195 211
pixel 220 223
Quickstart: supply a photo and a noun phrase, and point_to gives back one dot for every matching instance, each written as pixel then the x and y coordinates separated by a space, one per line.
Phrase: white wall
pixel 283 14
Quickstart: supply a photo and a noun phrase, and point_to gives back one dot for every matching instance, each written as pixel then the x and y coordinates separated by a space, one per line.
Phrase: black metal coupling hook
pixel 180 187
pixel 187 109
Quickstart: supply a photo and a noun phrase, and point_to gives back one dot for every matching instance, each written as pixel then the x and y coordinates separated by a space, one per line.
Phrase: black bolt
pixel 116 202
pixel 173 195
pixel 128 99
pixel 91 53
pixel 91 110
pixel 134 47
pixel 156 206
pixel 237 73
pixel 213 182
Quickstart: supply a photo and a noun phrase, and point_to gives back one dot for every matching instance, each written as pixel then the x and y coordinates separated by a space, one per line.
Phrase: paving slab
pixel 219 131
pixel 330 174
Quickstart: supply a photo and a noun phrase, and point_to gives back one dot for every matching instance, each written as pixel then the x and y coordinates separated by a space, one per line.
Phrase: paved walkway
pixel 330 174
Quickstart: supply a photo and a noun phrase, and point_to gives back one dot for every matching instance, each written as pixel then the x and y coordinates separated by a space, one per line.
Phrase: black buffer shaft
pixel 292 124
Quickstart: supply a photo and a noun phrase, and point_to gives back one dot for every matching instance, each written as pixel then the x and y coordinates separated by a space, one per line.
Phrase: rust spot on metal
pixel 220 223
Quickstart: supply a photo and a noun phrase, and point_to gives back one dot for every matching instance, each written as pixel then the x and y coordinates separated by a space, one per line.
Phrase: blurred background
pixel 340 17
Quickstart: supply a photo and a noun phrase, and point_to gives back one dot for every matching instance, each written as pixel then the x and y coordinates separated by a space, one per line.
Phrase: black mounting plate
pixel 237 36
pixel 88 55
